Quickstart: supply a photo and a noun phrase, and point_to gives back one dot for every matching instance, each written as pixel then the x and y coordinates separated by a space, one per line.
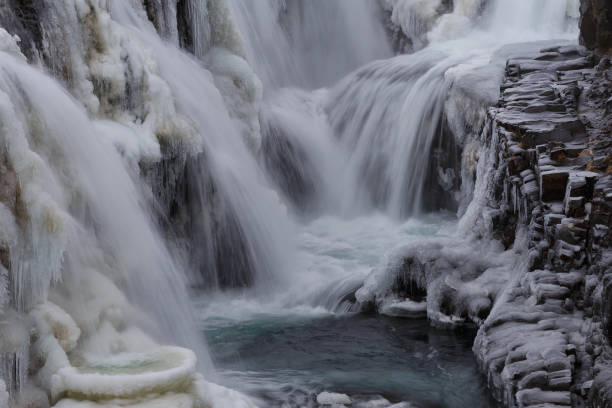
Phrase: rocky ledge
pixel 546 341
pixel 531 264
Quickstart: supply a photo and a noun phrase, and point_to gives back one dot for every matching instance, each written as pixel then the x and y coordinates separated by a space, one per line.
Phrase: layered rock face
pixel 545 340
pixel 533 264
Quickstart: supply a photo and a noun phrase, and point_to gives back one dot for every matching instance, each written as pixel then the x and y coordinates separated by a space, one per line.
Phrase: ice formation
pixel 79 232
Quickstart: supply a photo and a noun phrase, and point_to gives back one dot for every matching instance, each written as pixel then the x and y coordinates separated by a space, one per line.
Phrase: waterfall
pixel 92 216
pixel 156 148
pixel 86 230
pixel 395 140
pixel 309 43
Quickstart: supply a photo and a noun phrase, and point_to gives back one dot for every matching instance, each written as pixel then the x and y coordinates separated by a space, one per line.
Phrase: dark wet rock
pixel 199 218
pixel 596 24
pixel 25 19
pixel 289 165
pixel 552 185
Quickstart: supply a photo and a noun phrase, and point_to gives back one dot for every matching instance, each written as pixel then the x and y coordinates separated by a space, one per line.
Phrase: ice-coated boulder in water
pixel 51 319
pixel 333 399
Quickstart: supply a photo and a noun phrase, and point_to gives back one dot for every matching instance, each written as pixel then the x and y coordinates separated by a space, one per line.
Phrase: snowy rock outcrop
pixel 531 267
pixel 536 346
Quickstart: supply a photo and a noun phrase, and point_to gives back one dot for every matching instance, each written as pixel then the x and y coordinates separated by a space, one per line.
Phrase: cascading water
pixel 184 143
pixel 361 162
pixel 309 43
pixel 388 122
pixel 87 235
pixel 84 224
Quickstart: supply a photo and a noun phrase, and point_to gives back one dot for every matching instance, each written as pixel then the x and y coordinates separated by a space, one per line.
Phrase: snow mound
pixel 163 379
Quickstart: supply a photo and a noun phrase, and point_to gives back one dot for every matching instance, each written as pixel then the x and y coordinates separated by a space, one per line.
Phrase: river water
pixel 285 346
pixel 289 359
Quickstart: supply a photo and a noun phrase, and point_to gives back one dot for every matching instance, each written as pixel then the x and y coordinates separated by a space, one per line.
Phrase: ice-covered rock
pixel 10 44
pixel 530 273
pixel 127 375
pixel 241 89
pixel 405 308
pixel 535 344
pixel 334 399
pixel 442 279
pixel 164 401
pixel 211 395
pixel 51 319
